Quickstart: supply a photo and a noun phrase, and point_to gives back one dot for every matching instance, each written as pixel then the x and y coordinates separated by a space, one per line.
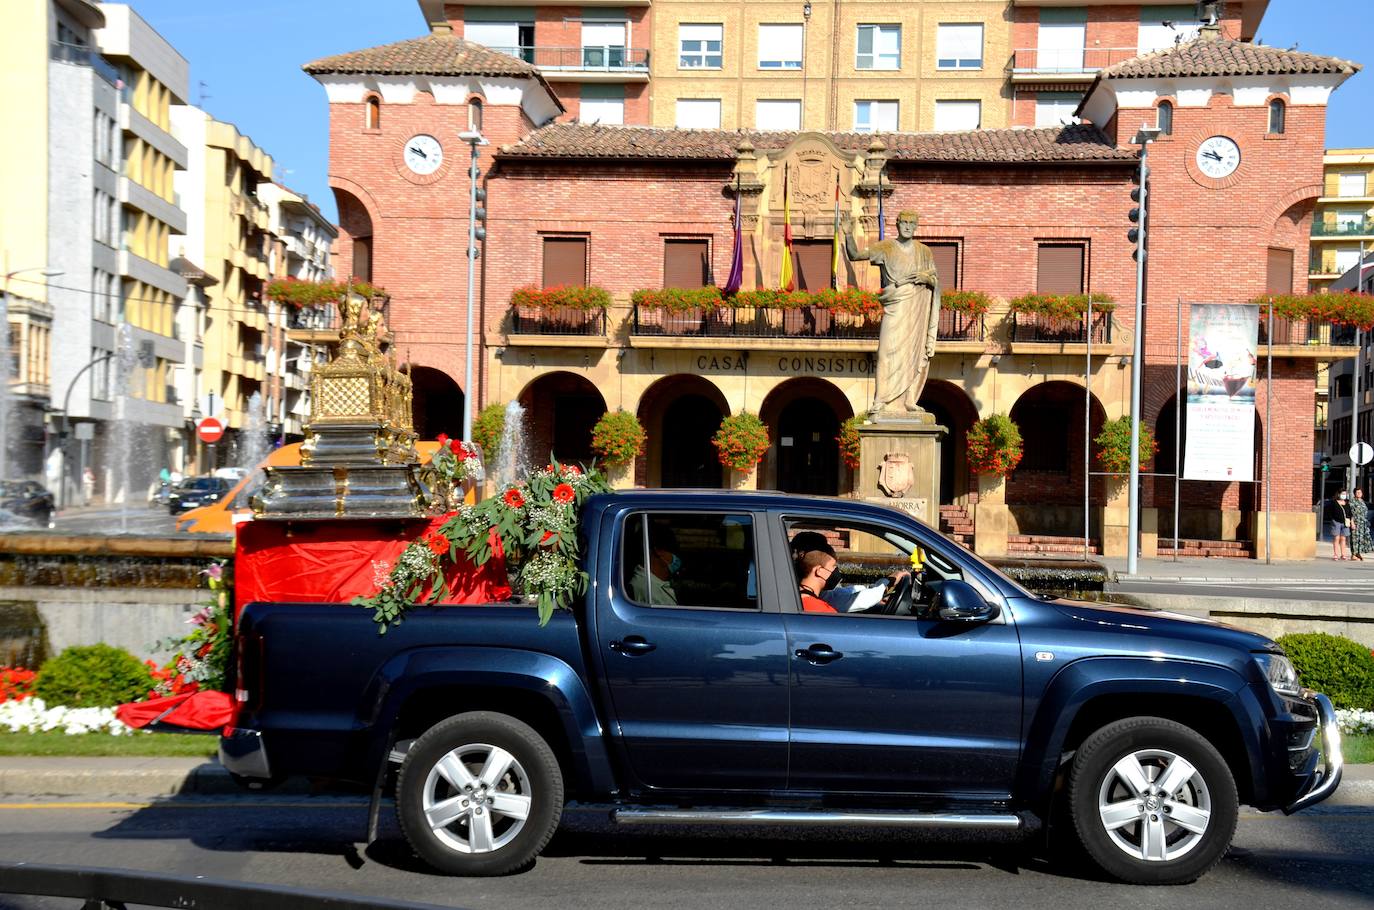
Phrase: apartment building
pixel 1344 220
pixel 848 65
pixel 228 236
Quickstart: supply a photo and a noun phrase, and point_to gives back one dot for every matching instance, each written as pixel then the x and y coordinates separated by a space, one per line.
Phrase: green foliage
pixel 678 300
pixel 1062 306
pixel 1343 307
pixel 741 441
pixel 1340 668
pixel 974 303
pixel 1114 445
pixel 92 676
pixel 201 656
pixel 849 441
pixel 488 429
pixel 572 297
pixel 994 445
pixel 618 437
pixel 299 294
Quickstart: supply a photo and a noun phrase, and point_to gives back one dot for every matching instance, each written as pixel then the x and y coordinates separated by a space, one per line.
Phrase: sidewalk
pixel 1245 571
pixel 160 778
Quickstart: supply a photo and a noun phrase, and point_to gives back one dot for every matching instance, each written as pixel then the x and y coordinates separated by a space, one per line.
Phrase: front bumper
pixel 1325 781
pixel 243 753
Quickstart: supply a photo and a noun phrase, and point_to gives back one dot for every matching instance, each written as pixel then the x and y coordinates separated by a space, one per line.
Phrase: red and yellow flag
pixel 788 281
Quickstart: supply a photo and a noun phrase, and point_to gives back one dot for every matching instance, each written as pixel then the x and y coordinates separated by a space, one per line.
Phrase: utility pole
pixel 1143 138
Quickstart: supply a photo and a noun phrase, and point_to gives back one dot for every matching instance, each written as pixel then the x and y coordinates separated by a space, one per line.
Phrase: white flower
pixel 1354 722
pixel 31 715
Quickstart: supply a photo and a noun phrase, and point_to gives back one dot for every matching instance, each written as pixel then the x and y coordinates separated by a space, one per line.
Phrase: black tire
pixel 468 845
pixel 1204 803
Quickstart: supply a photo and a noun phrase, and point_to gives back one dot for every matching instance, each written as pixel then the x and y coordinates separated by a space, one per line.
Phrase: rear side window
pixel 678 559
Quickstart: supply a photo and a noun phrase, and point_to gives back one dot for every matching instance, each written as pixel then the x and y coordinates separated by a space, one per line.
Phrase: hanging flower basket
pixel 849 441
pixel 741 441
pixel 1114 445
pixel 994 446
pixel 618 438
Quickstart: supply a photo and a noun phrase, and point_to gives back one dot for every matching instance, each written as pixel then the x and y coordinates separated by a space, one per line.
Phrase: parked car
pixel 691 686
pixel 197 491
pixel 27 499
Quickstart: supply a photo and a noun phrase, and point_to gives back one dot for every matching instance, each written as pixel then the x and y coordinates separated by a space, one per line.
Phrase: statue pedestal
pixel 899 465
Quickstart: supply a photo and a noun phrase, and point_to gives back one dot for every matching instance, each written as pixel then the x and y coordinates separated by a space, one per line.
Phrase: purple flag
pixel 732 284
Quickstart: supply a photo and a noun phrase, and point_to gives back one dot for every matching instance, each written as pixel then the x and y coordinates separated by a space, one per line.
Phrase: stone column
pixel 992 521
pixel 899 466
pixel 743 480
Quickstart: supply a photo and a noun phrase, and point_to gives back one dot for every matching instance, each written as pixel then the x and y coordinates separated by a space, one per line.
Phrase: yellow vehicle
pixel 219 517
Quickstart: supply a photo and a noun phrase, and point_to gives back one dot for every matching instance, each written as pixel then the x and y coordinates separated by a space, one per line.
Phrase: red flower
pixel 514 499
pixel 563 493
pixel 572 469
pixel 437 543
pixel 546 539
pixel 442 439
pixel 456 447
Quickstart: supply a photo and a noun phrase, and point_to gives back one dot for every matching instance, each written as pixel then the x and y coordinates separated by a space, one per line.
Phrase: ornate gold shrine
pixel 359 457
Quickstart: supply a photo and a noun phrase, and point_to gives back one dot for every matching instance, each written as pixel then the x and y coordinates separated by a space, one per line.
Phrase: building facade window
pixel 780 47
pixel 686 263
pixel 698 113
pixel 700 46
pixel 958 115
pixel 946 256
pixel 475 112
pixel 506 33
pixel 1162 27
pixel 878 47
pixel 1056 108
pixel 959 46
pixel 1278 114
pixel 602 104
pixel 1352 183
pixel 1060 40
pixel 565 261
pixel 373 118
pixel 1279 271
pixel 603 44
pixel 875 116
pixel 1164 118
pixel 1059 268
pixel 777 115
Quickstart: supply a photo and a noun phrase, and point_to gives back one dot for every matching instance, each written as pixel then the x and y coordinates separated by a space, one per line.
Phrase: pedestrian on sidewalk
pixel 1360 542
pixel 1338 519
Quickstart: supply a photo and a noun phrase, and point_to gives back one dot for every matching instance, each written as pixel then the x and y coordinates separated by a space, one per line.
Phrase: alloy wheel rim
pixel 477 798
pixel 1154 805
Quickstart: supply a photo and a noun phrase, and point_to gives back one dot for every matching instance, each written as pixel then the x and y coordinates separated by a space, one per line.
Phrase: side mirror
pixel 959 601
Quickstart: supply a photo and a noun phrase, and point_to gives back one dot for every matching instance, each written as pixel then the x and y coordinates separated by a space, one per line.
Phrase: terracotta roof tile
pixel 1223 57
pixel 1079 142
pixel 431 55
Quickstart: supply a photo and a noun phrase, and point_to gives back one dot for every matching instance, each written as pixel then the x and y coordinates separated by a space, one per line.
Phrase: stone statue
pixel 911 316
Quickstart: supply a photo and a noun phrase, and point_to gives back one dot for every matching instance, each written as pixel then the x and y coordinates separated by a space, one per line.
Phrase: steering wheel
pixel 898 600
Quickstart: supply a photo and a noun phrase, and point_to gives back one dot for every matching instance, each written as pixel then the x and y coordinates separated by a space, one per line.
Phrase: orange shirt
pixel 813 604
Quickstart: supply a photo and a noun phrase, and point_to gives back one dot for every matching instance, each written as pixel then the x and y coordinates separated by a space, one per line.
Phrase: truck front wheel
pixel 1153 801
pixel 479 794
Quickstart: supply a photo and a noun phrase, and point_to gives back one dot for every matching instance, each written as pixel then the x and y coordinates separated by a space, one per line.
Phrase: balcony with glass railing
pixel 82 55
pixel 1344 227
pixel 630 61
pixel 1033 63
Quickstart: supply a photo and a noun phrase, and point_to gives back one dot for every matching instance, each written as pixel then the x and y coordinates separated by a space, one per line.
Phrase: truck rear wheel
pixel 479 794
pixel 1153 801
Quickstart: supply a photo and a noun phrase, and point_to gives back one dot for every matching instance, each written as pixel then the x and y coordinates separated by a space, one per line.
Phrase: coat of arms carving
pixel 895 475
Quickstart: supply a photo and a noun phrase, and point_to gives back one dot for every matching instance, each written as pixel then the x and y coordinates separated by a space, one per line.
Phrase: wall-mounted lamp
pixel 806 11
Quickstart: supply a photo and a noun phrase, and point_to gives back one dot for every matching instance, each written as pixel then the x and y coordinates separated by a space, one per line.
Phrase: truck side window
pixel 678 559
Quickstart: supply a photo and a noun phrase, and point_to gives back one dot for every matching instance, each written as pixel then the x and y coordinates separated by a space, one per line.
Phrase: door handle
pixel 632 645
pixel 819 654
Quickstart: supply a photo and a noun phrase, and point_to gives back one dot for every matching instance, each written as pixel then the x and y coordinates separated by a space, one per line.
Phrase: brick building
pixel 1007 211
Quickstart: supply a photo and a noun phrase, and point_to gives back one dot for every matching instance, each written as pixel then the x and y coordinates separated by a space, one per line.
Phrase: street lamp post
pixel 1143 138
pixel 67 425
pixel 475 233
pixel 46 272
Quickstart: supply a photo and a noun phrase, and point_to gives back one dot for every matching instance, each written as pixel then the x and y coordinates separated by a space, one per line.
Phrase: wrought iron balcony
pixel 558 321
pixel 754 322
pixel 1307 332
pixel 608 58
pixel 957 326
pixel 1348 228
pixel 1038 327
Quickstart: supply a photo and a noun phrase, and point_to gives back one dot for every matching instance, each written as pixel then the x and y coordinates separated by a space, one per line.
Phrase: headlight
pixel 1280 673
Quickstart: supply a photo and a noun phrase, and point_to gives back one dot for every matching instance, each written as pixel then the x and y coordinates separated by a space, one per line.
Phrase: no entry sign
pixel 210 430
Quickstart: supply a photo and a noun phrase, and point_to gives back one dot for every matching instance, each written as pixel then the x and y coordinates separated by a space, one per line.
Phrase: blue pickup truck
pixel 691 687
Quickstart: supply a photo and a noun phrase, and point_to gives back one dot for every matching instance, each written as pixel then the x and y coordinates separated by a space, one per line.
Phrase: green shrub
pixel 93 676
pixel 487 431
pixel 1340 668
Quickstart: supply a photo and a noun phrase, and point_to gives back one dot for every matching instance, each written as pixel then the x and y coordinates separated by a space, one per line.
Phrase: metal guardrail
pixel 957 326
pixel 558 321
pixel 1308 331
pixel 83 55
pixel 1038 327
pixel 323 318
pixel 99 887
pixel 1068 60
pixel 754 322
pixel 608 58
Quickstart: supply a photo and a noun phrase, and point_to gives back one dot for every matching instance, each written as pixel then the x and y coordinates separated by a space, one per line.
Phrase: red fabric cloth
pixel 335 561
pixel 192 710
pixel 813 604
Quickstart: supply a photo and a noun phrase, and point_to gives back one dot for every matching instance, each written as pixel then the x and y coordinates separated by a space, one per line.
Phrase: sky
pixel 246 59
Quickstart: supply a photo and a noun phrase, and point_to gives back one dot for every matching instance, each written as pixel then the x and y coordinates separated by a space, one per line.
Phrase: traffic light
pixel 478 214
pixel 1138 215
pixel 1326 464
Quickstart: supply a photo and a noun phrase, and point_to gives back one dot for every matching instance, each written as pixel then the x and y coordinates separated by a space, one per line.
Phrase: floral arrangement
pixel 855 301
pixel 451 464
pixel 1114 445
pixel 678 300
pixel 773 299
pixel 618 438
pixel 1062 306
pixel 294 292
pixel 535 522
pixel 741 441
pixel 200 658
pixel 32 715
pixel 849 441
pixel 1342 307
pixel 16 683
pixel 488 429
pixel 570 297
pixel 994 445
pixel 973 303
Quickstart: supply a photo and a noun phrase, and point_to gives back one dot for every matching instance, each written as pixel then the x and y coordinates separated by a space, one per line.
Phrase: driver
pixel 854 598
pixel 814 568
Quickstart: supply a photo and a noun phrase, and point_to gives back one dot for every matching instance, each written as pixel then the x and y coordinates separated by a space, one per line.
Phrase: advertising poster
pixel 1222 343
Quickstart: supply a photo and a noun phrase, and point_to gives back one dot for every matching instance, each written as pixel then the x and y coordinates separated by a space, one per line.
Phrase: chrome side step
pixel 819 818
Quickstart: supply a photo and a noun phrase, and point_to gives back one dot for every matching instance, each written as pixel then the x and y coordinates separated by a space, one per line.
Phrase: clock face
pixel 423 154
pixel 1218 157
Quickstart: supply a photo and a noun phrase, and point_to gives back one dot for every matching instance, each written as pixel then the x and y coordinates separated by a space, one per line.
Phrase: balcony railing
pixel 82 55
pixel 323 318
pixel 558 321
pixel 609 58
pixel 1307 331
pixel 1349 228
pixel 755 322
pixel 1038 327
pixel 957 326
pixel 1069 60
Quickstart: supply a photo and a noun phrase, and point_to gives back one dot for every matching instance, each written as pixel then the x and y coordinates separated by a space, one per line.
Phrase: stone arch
pixel 356 246
pixel 680 413
pixel 563 408
pixel 1045 494
pixel 437 403
pixel 956 412
pixel 805 412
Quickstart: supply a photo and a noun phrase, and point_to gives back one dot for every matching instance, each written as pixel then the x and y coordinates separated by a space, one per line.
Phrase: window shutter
pixel 362 258
pixel 1279 274
pixel 813 258
pixel 1060 269
pixel 946 264
pixel 686 263
pixel 565 261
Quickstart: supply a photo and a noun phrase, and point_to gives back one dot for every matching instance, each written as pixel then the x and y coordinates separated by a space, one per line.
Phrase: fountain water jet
pixel 512 461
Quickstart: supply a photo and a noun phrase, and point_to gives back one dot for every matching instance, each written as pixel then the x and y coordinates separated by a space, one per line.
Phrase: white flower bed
pixel 31 715
pixel 1355 722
